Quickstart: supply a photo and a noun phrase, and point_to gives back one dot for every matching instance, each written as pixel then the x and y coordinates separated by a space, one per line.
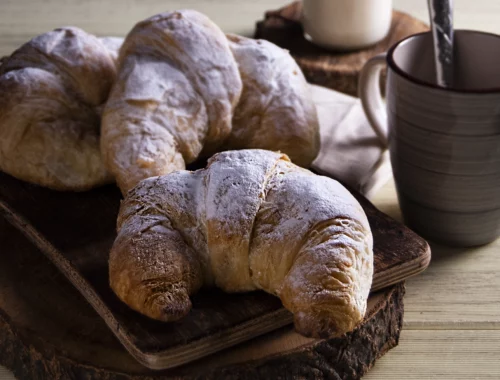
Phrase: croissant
pixel 113 44
pixel 275 111
pixel 250 220
pixel 185 90
pixel 51 92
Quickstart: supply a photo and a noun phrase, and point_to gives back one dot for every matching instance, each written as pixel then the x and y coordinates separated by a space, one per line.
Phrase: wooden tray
pixel 333 69
pixel 76 230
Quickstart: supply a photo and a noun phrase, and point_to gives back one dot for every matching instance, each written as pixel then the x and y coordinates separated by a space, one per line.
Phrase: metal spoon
pixel 441 15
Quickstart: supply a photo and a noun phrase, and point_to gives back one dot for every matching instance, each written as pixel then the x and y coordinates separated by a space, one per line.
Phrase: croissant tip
pixel 165 311
pixel 318 326
pixel 170 307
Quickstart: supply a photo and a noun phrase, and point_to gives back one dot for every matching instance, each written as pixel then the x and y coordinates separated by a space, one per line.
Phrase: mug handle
pixel 371 97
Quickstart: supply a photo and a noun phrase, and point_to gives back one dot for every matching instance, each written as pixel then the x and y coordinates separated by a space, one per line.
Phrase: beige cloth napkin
pixel 350 150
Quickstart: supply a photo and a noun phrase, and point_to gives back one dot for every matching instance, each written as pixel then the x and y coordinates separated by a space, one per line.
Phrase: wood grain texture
pixel 5 374
pixel 49 331
pixel 443 354
pixel 459 290
pixel 80 229
pixel 336 70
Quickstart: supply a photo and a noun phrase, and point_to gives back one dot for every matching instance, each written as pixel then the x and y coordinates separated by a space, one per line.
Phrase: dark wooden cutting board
pixel 76 230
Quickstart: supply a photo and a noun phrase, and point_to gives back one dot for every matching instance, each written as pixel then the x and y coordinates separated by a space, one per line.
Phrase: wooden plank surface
pixel 442 354
pixel 468 307
pixel 5 374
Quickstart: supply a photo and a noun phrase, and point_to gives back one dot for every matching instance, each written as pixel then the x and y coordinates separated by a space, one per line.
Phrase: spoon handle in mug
pixel 441 15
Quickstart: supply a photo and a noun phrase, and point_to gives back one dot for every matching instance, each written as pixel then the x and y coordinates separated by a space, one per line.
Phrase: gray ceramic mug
pixel 444 143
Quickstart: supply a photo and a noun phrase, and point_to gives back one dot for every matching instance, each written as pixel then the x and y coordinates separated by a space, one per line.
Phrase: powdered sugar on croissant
pixel 184 90
pixel 176 89
pixel 275 111
pixel 51 91
pixel 250 220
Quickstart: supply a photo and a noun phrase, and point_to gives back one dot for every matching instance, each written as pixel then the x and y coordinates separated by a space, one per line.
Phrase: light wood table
pixel 452 311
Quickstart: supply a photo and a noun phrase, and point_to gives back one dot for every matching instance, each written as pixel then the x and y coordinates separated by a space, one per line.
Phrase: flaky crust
pixel 275 111
pixel 186 90
pixel 51 90
pixel 250 220
pixel 177 86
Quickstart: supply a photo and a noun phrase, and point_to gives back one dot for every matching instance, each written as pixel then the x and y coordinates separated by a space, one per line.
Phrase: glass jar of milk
pixel 346 24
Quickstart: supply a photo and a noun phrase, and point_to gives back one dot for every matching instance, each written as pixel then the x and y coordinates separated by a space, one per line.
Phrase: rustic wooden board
pixel 49 332
pixel 76 230
pixel 336 70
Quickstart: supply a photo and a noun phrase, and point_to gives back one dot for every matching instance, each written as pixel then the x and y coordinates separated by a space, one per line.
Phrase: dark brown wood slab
pixel 49 332
pixel 336 70
pixel 76 230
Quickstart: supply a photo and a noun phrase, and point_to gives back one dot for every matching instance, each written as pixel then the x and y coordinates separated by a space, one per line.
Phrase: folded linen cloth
pixel 350 150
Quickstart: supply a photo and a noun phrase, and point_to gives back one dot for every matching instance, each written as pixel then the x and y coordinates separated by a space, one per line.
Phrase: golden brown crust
pixel 151 268
pixel 275 111
pixel 176 90
pixel 177 97
pixel 250 220
pixel 50 93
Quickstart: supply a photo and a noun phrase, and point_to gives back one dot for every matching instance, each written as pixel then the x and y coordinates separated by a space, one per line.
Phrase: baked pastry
pixel 51 89
pixel 113 44
pixel 275 111
pixel 179 84
pixel 250 220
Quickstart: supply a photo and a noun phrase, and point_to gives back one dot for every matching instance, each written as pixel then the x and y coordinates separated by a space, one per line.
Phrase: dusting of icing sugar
pixel 258 221
pixel 235 185
pixel 276 110
pixel 309 218
pixel 201 50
